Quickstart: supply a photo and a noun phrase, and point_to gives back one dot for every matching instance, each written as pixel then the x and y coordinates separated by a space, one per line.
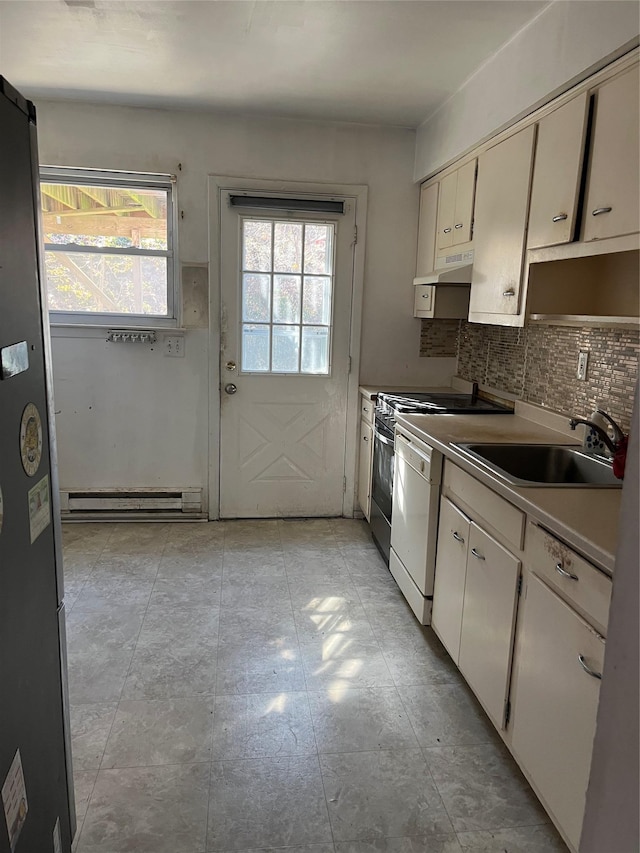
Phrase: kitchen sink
pixel 544 465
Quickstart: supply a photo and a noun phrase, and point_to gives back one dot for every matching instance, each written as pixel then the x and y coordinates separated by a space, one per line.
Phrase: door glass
pixel 256 294
pixel 315 349
pixel 287 293
pixel 286 298
pixel 286 343
pixel 255 347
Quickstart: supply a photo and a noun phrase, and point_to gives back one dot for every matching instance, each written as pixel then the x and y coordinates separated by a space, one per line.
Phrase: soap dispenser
pixel 592 442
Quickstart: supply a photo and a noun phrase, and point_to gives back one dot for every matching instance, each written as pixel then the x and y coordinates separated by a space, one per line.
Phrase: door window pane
pixel 315 349
pixel 256 246
pixel 286 344
pixel 318 249
pixel 287 247
pixel 287 291
pixel 286 298
pixel 255 348
pixel 256 298
pixel 316 307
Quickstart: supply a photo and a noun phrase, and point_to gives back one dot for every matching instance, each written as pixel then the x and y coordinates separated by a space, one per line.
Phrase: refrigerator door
pixel 35 766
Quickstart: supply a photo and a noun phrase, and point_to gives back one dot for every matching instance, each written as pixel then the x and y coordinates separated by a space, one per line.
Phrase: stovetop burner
pixel 437 404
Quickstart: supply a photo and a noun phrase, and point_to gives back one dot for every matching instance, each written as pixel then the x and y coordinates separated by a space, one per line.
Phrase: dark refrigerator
pixel 36 804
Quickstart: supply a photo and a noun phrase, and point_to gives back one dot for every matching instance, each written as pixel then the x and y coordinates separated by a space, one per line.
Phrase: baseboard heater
pixel 131 504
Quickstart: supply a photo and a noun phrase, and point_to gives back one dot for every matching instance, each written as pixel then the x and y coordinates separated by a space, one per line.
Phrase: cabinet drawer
pixel 366 408
pixel 587 588
pixel 499 514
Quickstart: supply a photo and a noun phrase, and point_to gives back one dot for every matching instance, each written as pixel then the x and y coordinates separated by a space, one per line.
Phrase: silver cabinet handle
pixel 565 574
pixel 365 438
pixel 587 668
pixel 459 225
pixel 446 230
pixel 457 536
pixel 426 296
pixel 560 217
pixel 476 554
pixel 365 409
pixel 510 292
pixel 600 210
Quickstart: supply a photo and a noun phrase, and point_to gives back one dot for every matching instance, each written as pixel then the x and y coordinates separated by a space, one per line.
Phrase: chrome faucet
pixel 611 444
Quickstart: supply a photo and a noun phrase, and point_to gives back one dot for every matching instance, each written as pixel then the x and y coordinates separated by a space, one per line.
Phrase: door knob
pixel 230 388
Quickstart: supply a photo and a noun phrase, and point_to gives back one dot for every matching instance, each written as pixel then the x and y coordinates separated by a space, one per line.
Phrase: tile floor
pixel 243 685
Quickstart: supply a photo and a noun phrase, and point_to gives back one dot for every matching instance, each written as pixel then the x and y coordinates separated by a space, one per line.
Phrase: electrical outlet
pixel 583 360
pixel 174 346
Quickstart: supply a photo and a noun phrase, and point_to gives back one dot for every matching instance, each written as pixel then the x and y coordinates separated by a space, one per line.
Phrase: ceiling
pixel 389 62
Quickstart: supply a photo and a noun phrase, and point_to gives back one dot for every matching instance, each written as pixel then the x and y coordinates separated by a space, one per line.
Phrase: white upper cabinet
pixel 446 212
pixel 465 196
pixel 611 207
pixel 455 208
pixel 557 173
pixel 426 257
pixel 501 207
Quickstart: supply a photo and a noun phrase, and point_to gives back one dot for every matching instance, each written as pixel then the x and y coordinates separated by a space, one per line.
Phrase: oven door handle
pixel 383 438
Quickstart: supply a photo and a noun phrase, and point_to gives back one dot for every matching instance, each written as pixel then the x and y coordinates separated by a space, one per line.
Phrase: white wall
pixel 562 45
pixel 147 424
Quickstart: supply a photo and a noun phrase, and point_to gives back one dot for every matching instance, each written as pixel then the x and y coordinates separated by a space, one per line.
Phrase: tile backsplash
pixel 538 363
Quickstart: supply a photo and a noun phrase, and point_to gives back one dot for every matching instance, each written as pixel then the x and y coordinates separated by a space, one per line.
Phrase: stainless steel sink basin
pixel 544 464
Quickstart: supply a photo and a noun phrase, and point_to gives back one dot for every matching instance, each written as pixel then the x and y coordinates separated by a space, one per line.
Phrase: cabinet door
pixel 446 211
pixel 427 223
pixel 556 174
pixel 502 202
pixel 451 570
pixel 465 193
pixel 488 618
pixel 612 190
pixel 555 701
pixel 364 467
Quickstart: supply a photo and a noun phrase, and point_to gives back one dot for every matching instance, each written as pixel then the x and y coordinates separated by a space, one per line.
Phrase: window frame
pixel 139 180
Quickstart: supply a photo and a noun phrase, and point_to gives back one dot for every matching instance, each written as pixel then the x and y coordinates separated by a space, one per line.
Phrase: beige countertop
pixel 584 518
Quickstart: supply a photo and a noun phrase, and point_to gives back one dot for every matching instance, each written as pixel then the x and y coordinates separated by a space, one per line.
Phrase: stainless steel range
pixel 387 406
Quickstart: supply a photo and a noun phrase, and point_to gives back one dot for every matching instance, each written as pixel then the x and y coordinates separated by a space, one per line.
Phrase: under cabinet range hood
pixel 460 274
pixel 450 269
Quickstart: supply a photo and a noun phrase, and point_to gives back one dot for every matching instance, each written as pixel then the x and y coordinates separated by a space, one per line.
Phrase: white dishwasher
pixel 414 521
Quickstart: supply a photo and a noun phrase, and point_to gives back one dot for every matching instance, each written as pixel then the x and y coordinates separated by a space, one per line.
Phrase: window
pixel 108 240
pixel 287 289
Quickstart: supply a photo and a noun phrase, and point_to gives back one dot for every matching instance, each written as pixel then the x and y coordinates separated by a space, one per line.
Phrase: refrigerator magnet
pixel 14 800
pixel 39 508
pixel 31 439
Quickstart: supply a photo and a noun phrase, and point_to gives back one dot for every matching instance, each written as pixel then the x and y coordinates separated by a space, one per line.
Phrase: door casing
pixel 218 184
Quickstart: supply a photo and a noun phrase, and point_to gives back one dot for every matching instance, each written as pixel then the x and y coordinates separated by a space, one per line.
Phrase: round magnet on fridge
pixel 31 439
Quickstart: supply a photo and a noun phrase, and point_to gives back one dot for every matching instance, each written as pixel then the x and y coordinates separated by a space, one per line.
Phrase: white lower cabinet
pixel 524 637
pixel 451 572
pixel 554 702
pixel 488 621
pixel 364 467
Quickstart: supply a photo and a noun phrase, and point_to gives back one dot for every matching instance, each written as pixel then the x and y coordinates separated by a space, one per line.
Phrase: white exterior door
pixel 286 293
